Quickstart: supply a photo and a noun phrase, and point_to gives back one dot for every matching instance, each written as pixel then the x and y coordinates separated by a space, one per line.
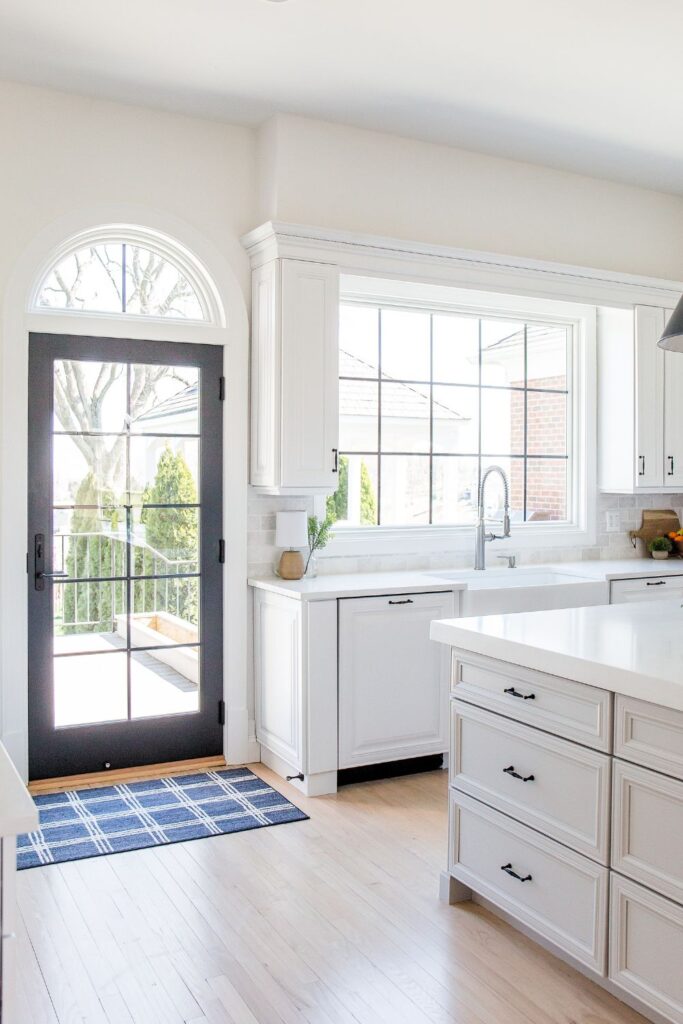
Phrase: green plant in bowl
pixel 660 547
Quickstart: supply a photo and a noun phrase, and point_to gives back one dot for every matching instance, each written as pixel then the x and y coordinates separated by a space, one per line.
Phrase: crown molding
pixel 357 253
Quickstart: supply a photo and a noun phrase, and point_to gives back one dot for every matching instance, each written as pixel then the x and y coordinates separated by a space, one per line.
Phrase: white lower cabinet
pixel 347 682
pixel 393 681
pixel 531 816
pixel 555 891
pixel 646 947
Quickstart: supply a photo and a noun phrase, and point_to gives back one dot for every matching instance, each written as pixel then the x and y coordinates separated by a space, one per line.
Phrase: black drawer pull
pixel 507 868
pixel 656 583
pixel 515 775
pixel 522 696
pixel 671 465
pixel 408 600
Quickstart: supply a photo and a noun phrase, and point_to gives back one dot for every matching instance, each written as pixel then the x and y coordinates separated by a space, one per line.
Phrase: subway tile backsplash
pixel 263 555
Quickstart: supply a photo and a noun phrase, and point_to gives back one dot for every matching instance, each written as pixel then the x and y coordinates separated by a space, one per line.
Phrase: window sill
pixel 409 540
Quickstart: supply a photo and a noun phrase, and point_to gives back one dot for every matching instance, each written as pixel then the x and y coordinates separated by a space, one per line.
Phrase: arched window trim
pixel 162 245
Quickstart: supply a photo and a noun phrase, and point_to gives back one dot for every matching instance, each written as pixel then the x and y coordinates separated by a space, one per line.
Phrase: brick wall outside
pixel 546 434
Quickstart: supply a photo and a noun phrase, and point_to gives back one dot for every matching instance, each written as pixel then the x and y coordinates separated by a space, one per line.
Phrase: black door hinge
pixel 221 389
pixel 221 712
pixel 221 551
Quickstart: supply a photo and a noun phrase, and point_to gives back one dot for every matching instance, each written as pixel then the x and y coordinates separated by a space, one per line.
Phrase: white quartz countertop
pixel 633 649
pixel 424 581
pixel 357 584
pixel 18 813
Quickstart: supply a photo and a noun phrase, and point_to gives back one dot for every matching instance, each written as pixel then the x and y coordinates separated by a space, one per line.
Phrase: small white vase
pixel 659 554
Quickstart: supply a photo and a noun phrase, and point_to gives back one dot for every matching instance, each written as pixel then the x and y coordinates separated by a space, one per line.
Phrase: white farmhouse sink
pixel 495 591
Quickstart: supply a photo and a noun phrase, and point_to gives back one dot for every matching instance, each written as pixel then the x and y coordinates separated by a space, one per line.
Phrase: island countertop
pixel 633 649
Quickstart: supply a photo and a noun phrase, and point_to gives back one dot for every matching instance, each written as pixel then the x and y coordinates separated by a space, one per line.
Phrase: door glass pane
pixel 405 345
pixel 165 612
pixel 164 541
pixel 89 470
pixel 405 417
pixel 90 688
pixel 89 616
pixel 89 542
pixel 164 399
pixel 89 396
pixel 164 470
pixel 132 511
pixel 164 682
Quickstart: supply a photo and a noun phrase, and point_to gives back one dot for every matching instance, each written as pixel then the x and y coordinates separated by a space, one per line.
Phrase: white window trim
pixel 164 246
pixel 581 531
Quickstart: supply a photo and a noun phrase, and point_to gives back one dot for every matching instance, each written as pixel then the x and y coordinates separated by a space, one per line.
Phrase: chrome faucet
pixel 482 536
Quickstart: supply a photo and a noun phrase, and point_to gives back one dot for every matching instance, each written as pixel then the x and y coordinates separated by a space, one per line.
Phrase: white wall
pixel 333 176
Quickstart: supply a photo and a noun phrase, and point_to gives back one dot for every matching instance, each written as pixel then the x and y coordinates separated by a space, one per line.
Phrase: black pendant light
pixel 672 338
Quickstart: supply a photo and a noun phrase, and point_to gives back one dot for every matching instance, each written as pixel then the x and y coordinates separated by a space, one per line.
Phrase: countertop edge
pixel 615 679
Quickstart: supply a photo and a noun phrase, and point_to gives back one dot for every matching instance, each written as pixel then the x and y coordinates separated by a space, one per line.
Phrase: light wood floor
pixel 331 921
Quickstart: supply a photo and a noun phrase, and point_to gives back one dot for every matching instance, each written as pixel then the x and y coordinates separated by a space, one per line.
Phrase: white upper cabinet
pixel 294 377
pixel 640 403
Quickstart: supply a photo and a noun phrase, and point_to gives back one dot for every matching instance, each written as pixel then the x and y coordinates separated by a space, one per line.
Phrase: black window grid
pixel 429 385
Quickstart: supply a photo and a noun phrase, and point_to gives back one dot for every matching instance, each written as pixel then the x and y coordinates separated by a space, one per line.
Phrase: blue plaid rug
pixel 114 819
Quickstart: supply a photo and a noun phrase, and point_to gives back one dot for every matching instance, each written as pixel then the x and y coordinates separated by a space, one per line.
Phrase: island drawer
pixel 647 828
pixel 554 891
pixel 552 785
pixel 648 734
pixel 559 706
pixel 646 947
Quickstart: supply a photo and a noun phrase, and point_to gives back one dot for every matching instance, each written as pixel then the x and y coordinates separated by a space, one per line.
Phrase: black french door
pixel 124 553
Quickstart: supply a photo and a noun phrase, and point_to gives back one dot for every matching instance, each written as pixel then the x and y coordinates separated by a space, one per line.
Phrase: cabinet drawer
pixel 554 786
pixel 647 837
pixel 646 947
pixel 564 896
pixel 649 734
pixel 650 589
pixel 559 706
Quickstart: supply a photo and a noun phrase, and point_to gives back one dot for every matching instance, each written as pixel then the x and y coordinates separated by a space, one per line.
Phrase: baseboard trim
pixel 123 775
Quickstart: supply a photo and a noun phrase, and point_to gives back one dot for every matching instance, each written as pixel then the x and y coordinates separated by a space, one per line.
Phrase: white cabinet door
pixel 646 947
pixel 393 681
pixel 278 676
pixel 649 397
pixel 310 375
pixel 673 417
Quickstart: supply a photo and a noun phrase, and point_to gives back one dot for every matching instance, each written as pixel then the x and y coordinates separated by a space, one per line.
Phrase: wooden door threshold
pixel 117 776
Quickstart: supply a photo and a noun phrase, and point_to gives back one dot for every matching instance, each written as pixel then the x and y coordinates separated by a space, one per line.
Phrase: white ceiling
pixel 594 86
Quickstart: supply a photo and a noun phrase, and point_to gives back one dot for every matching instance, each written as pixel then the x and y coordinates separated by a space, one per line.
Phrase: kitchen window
pixel 429 398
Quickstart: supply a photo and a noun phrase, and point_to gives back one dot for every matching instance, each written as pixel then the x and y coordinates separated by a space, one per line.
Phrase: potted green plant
pixel 318 537
pixel 659 547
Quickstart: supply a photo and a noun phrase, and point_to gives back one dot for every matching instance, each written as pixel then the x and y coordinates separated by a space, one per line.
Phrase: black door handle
pixel 39 574
pixel 515 775
pixel 671 465
pixel 507 868
pixel 522 696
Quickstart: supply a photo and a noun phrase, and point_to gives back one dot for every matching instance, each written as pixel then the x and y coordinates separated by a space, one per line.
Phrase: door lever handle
pixel 50 575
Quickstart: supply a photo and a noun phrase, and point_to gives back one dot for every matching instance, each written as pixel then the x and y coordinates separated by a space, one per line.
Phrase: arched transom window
pixel 129 273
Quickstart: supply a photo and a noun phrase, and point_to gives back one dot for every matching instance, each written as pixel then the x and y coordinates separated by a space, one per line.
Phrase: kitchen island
pixel 566 787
